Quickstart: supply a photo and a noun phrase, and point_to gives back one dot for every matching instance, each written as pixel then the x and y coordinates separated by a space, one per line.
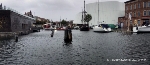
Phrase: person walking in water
pixel 52 34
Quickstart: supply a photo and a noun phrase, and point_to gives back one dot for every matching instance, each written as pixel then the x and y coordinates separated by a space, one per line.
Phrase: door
pixel 121 24
pixel 147 22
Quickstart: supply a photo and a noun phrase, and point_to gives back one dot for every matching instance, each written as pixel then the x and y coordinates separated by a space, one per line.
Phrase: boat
pixel 47 26
pixel 141 29
pixel 84 28
pixel 145 28
pixel 61 28
pixel 102 28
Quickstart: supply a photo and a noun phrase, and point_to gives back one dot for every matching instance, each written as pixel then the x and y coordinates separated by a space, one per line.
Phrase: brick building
pixel 140 11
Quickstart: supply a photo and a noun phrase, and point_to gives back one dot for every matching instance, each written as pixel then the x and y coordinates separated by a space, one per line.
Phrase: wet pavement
pixel 87 48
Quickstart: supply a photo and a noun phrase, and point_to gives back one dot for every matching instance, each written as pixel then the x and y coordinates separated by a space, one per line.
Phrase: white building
pixel 78 18
pixel 109 11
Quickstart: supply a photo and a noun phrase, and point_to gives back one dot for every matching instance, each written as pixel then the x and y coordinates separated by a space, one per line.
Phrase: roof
pixel 129 1
pixel 121 17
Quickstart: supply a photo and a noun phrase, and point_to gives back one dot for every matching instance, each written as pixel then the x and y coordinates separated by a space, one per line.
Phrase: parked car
pixel 76 27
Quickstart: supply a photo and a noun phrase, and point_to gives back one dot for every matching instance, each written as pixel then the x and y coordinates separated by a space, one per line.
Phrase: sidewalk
pixel 122 30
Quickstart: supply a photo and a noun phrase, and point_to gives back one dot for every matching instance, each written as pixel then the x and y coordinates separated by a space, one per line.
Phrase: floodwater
pixel 87 48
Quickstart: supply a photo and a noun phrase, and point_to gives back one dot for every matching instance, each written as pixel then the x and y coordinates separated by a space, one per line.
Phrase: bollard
pixel 16 37
pixel 67 35
pixel 52 33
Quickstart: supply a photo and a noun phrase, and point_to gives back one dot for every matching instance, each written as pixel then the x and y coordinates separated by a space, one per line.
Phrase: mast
pixel 82 16
pixel 98 11
pixel 60 21
pixel 84 12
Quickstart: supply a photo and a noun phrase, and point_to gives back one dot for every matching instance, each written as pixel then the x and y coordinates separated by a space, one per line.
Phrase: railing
pixel 8 8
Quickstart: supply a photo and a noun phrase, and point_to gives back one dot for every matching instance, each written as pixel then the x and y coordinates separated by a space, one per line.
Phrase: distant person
pixel 52 34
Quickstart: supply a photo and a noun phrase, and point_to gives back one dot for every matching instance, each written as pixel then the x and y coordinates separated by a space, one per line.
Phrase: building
pixel 78 18
pixel 1 6
pixel 41 19
pixel 109 11
pixel 12 21
pixel 29 14
pixel 140 11
pixel 59 24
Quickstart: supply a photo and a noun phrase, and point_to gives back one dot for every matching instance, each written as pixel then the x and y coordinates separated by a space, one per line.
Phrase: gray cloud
pixel 50 9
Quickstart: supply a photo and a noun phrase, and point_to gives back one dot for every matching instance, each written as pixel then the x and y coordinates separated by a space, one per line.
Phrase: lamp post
pixel 129 20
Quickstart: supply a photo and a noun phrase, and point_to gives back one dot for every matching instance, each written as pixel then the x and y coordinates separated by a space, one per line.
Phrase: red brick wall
pixel 136 10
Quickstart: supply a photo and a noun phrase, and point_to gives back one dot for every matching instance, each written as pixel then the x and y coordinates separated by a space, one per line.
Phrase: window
pixel 135 6
pixel 126 15
pixel 23 26
pixel 130 21
pixel 134 14
pixel 144 4
pixel 139 23
pixel 131 7
pixel 139 13
pixel 139 5
pixel 131 14
pixel 144 13
pixel 149 12
pixel 148 4
pixel 127 8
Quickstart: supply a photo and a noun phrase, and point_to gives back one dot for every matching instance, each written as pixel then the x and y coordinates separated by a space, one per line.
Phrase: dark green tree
pixel 40 22
pixel 64 22
pixel 88 18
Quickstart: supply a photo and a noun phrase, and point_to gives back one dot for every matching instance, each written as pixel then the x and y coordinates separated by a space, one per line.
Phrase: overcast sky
pixel 50 9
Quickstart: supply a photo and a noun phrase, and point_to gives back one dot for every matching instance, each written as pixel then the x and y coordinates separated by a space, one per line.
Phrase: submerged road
pixel 87 48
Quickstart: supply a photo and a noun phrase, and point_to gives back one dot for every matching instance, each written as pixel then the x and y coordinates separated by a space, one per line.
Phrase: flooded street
pixel 87 48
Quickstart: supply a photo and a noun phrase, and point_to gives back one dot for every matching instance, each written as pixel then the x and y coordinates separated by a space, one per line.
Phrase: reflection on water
pixel 7 48
pixel 86 48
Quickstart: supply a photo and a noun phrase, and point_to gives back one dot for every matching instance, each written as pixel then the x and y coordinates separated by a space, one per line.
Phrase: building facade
pixel 140 11
pixel 12 21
